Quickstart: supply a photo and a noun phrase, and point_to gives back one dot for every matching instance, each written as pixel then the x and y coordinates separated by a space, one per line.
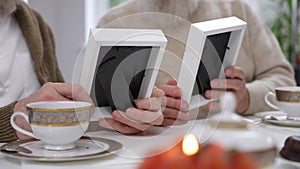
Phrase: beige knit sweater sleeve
pixel 7 133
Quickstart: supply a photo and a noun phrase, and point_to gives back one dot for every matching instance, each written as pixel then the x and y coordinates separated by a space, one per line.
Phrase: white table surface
pixel 138 146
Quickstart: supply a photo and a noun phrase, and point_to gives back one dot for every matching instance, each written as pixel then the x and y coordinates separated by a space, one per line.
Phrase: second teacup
pixel 288 100
pixel 57 123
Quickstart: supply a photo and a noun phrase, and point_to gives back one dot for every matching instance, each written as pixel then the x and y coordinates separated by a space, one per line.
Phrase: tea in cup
pixel 288 101
pixel 57 123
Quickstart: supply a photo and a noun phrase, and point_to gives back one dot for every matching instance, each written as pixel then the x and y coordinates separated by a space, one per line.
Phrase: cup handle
pixel 269 103
pixel 19 129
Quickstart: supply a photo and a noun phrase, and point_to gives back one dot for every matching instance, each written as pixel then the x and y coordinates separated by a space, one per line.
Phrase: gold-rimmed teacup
pixel 57 123
pixel 287 100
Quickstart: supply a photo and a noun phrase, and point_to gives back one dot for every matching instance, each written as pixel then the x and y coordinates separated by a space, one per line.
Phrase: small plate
pixel 281 120
pixel 267 113
pixel 85 148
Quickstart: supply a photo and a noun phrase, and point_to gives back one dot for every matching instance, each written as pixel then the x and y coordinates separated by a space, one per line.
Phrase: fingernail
pixel 208 94
pixel 116 114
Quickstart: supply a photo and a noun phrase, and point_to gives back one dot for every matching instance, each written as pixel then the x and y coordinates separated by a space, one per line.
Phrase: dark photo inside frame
pixel 210 67
pixel 119 74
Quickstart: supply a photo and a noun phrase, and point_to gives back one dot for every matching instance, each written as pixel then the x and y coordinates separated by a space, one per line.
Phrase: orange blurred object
pixel 241 160
pixel 210 156
pixel 171 159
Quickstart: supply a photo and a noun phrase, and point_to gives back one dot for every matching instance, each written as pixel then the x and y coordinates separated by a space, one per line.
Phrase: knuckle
pixel 48 85
pixel 161 93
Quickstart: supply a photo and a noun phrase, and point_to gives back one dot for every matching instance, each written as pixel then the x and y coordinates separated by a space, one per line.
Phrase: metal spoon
pixel 278 118
pixel 14 148
pixel 275 118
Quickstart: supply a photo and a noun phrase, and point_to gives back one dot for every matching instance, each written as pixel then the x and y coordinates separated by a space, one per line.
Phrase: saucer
pixel 266 113
pixel 85 148
pixel 281 120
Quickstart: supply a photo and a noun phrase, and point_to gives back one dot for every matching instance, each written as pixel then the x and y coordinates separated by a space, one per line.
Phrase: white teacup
pixel 57 123
pixel 288 100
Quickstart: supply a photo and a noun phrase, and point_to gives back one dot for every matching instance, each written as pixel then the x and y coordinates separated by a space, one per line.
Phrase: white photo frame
pixel 112 61
pixel 220 38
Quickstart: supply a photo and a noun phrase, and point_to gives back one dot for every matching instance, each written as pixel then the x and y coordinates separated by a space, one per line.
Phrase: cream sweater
pixel 260 56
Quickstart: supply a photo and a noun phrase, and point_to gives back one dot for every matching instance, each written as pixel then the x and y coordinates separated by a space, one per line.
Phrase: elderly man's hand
pixel 235 82
pixel 50 92
pixel 137 120
pixel 177 110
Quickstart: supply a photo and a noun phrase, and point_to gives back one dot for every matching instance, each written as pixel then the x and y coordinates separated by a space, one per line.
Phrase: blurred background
pixel 71 20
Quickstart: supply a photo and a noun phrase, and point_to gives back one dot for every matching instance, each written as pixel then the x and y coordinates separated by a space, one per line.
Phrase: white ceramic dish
pixel 281 120
pixel 266 113
pixel 85 148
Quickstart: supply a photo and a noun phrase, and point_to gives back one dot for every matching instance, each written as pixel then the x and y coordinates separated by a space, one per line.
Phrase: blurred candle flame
pixel 190 145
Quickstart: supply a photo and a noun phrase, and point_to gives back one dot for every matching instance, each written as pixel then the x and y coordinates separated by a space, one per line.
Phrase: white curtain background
pixel 70 21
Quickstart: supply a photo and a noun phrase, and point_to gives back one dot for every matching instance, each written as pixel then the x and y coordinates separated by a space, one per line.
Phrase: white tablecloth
pixel 138 146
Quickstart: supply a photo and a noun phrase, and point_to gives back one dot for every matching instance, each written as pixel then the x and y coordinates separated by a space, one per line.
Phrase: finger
pixel 157 92
pixel 235 72
pixel 63 89
pixel 177 104
pixel 161 95
pixel 172 82
pixel 72 91
pixel 175 114
pixel 79 94
pixel 22 136
pixel 172 91
pixel 229 84
pixel 115 125
pixel 235 84
pixel 152 104
pixel 170 122
pixel 121 117
pixel 214 94
pixel 154 118
pixel 47 94
pixel 22 123
pixel 107 123
pixel 214 106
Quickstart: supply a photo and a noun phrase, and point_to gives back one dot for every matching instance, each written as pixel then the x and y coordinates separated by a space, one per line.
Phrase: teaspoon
pixel 278 118
pixel 14 148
